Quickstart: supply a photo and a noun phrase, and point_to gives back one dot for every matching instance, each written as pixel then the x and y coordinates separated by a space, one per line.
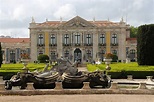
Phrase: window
pixel 53 39
pixel 132 51
pixel 89 54
pixel 66 39
pixel 40 40
pixel 102 39
pixel 53 55
pixel 77 38
pixel 66 53
pixel 88 39
pixel 40 52
pixel 114 52
pixel 114 39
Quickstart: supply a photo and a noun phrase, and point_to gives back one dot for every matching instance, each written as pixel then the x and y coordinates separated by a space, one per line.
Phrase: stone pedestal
pixel 149 78
pixel 114 85
pixel 30 86
pixel 86 85
pixel 129 77
pixel 58 86
pixel 142 85
pixel 2 87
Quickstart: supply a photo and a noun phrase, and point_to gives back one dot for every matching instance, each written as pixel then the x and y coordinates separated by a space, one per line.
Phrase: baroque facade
pixel 79 39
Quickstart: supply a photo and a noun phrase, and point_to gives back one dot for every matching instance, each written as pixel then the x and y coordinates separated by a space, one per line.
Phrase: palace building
pixel 13 48
pixel 82 40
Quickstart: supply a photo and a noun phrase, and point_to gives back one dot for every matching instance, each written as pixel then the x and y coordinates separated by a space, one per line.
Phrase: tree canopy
pixel 133 32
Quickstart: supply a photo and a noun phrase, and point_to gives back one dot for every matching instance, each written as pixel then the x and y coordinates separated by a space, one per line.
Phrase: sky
pixel 15 15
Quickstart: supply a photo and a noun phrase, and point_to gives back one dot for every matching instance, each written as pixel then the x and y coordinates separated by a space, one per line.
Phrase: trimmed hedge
pixel 145 42
pixel 136 74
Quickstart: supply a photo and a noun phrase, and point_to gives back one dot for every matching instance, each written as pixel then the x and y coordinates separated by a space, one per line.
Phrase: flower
pixel 108 55
pixel 25 56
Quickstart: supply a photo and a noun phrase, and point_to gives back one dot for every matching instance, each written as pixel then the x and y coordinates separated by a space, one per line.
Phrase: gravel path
pixel 79 98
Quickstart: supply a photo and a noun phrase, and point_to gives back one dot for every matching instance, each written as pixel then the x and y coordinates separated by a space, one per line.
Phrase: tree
pixel 145 42
pixel 43 58
pixel 1 57
pixel 133 32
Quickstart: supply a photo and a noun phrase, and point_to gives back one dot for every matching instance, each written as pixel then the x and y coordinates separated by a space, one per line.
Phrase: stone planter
pixel 107 62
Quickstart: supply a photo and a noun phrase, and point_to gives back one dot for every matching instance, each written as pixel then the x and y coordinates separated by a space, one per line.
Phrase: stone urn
pixel 107 62
pixel 25 63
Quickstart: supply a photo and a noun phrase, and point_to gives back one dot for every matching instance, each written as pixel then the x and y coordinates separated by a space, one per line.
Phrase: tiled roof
pixel 131 39
pixel 15 40
pixel 104 23
pixel 51 23
pixel 97 23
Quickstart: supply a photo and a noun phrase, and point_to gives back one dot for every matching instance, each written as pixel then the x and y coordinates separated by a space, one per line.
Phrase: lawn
pixel 18 67
pixel 121 70
pixel 118 67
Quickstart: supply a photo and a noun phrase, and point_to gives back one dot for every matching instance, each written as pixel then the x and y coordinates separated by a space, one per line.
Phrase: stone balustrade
pixel 58 86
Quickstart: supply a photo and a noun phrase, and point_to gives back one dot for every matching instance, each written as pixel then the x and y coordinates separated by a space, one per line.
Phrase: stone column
pixel 33 45
pixel 59 44
pixel 95 44
pixel 122 44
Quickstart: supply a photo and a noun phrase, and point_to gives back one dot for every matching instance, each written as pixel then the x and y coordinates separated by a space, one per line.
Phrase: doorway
pixel 77 55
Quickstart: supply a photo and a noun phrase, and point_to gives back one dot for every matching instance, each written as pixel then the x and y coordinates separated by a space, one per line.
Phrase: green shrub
pixel 43 58
pixel 114 58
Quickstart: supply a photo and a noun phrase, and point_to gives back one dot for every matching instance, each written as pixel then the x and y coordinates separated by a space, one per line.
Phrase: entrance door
pixel 77 55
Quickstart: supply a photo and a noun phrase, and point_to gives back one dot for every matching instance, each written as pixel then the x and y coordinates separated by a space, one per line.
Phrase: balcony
pixel 85 44
pixel 114 44
pixel 102 44
pixel 52 44
pixel 66 44
pixel 40 44
pixel 76 44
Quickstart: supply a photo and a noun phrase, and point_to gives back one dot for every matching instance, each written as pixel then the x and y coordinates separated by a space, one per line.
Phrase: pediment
pixel 78 22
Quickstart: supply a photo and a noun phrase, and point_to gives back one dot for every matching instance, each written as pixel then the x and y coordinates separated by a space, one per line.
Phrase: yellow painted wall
pixel 46 43
pixel 108 42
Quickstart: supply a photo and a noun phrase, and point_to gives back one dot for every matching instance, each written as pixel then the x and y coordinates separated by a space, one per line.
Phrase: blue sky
pixel 15 15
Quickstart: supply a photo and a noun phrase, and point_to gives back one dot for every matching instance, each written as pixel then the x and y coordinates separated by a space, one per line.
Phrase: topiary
pixel 43 58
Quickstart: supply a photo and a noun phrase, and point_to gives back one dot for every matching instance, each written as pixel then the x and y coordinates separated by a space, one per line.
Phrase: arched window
pixel 102 39
pixel 40 39
pixel 53 39
pixel 114 38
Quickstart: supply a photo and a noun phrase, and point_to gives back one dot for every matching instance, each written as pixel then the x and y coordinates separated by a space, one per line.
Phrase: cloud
pixel 15 15
pixel 66 11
